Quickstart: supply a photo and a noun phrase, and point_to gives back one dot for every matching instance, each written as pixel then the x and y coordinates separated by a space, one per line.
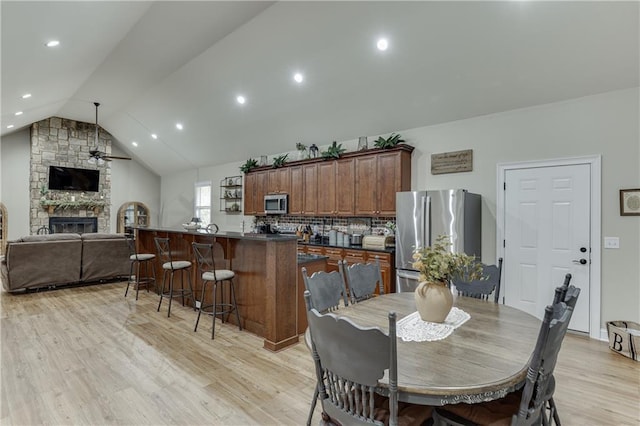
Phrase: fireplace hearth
pixel 78 225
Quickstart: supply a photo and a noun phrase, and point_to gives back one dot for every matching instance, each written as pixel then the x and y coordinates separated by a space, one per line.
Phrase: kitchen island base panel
pixel 265 269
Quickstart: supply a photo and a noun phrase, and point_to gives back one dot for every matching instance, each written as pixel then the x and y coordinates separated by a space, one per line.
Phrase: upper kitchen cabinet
pixel 255 188
pixel 378 178
pixel 303 197
pixel 345 188
pixel 362 183
pixel 279 181
pixel 326 188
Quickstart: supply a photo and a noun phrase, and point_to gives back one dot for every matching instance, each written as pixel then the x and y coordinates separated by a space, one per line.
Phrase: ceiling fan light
pixel 92 160
pixel 100 162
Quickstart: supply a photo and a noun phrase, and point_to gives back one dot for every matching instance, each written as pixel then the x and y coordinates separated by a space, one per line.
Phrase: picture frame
pixel 630 202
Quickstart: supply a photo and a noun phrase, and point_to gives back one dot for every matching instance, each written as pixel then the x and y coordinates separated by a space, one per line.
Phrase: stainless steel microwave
pixel 276 204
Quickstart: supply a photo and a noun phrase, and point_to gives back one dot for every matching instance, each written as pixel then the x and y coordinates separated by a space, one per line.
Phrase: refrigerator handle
pixel 426 217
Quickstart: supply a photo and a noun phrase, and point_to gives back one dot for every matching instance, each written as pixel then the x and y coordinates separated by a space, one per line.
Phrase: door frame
pixel 594 161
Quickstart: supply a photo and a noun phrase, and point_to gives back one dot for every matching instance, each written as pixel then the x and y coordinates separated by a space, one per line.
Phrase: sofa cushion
pixel 49 237
pixel 102 236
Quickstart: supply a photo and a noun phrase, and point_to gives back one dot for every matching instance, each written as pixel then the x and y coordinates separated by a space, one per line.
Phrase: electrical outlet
pixel 198 304
pixel 611 242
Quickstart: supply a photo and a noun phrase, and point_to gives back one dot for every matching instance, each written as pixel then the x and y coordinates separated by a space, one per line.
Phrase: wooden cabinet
pixel 310 190
pixel 361 183
pixel 345 188
pixel 279 181
pixel 249 193
pixel 377 179
pixel 351 255
pixel 326 189
pixel 296 195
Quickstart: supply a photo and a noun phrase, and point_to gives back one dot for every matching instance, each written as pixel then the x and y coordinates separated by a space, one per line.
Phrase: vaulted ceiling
pixel 154 64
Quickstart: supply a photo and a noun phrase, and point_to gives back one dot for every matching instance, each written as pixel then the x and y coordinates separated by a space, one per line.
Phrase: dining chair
pixel 362 279
pixel 482 289
pixel 533 403
pixel 326 291
pixel 210 274
pixel 349 360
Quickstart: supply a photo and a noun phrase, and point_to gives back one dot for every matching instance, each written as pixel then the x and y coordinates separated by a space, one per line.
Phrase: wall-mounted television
pixel 70 179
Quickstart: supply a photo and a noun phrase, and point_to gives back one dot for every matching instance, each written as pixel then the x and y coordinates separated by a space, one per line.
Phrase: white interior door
pixel 547 232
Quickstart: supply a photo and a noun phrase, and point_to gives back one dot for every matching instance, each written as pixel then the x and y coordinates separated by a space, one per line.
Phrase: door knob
pixel 581 261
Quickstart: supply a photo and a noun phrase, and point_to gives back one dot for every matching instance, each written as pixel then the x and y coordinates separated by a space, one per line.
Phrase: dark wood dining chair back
pixel 326 289
pixel 482 289
pixel 363 279
pixel 535 405
pixel 349 361
pixel 540 383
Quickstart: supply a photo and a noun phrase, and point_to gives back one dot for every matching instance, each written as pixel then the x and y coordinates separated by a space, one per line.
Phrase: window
pixel 203 202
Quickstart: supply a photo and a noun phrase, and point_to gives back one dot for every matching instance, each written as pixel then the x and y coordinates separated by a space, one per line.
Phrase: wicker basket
pixel 624 338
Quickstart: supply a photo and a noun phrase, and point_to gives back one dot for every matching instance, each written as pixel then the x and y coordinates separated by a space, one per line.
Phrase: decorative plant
pixel 279 161
pixel 300 146
pixel 389 142
pixel 437 264
pixel 248 165
pixel 334 151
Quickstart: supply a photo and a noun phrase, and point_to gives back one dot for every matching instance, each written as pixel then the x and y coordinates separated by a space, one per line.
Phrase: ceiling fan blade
pixel 114 157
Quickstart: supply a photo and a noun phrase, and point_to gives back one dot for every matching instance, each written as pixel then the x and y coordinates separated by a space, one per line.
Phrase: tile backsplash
pixel 322 225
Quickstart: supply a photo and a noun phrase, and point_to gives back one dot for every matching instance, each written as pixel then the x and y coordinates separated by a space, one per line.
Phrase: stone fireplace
pixel 61 142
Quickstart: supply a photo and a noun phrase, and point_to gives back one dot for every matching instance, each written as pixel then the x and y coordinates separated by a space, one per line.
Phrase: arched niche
pixel 132 213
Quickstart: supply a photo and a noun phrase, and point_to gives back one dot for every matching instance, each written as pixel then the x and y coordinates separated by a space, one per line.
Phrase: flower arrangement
pixel 437 264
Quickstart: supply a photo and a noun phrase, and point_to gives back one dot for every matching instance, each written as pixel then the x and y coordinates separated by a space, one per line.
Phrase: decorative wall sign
pixel 452 162
pixel 630 202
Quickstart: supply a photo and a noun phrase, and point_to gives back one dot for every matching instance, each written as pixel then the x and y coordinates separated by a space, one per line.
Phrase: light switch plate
pixel 611 242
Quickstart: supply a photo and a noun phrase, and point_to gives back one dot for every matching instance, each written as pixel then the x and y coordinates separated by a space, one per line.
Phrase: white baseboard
pixel 604 336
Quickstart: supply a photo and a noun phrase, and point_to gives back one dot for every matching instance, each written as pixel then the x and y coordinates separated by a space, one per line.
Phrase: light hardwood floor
pixel 87 355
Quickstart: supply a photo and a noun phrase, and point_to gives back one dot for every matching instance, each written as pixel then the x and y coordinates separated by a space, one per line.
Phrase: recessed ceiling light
pixel 26 96
pixel 134 143
pixel 298 77
pixel 179 126
pixel 241 100
pixel 19 113
pixel 10 126
pixel 382 44
pixel 153 135
pixel 52 43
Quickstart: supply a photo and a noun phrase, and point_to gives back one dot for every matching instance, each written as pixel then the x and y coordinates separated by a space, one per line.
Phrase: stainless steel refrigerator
pixel 421 216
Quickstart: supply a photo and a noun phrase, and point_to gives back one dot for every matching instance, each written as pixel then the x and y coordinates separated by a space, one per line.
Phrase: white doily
pixel 412 329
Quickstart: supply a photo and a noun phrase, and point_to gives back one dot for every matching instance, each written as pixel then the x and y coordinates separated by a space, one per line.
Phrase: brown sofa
pixel 39 261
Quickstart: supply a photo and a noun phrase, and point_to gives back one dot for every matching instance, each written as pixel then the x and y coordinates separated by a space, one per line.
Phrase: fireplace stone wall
pixel 60 142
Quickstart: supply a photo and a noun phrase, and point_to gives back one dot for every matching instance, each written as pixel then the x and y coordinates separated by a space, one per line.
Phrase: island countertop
pixel 265 267
pixel 225 234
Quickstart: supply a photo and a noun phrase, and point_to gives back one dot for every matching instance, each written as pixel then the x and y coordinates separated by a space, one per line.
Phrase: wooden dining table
pixel 483 359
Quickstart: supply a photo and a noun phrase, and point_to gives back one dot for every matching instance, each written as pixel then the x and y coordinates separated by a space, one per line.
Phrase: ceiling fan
pixel 99 157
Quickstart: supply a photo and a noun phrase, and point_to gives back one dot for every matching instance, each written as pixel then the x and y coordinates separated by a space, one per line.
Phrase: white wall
pixel 15 170
pixel 606 124
pixel 130 181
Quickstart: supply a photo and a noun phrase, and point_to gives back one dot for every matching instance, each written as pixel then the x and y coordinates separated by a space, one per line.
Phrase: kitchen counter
pixel 304 258
pixel 265 267
pixel 390 250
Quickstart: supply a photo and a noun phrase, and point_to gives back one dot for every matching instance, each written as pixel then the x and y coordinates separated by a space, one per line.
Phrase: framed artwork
pixel 630 202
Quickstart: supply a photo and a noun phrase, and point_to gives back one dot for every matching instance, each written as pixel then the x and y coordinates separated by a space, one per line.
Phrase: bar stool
pixel 140 259
pixel 171 266
pixel 209 273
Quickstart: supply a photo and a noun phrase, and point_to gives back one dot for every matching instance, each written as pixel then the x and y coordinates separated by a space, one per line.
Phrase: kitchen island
pixel 266 272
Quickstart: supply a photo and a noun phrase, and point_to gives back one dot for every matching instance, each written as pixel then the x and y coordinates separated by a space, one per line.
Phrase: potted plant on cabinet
pixel 248 165
pixel 389 142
